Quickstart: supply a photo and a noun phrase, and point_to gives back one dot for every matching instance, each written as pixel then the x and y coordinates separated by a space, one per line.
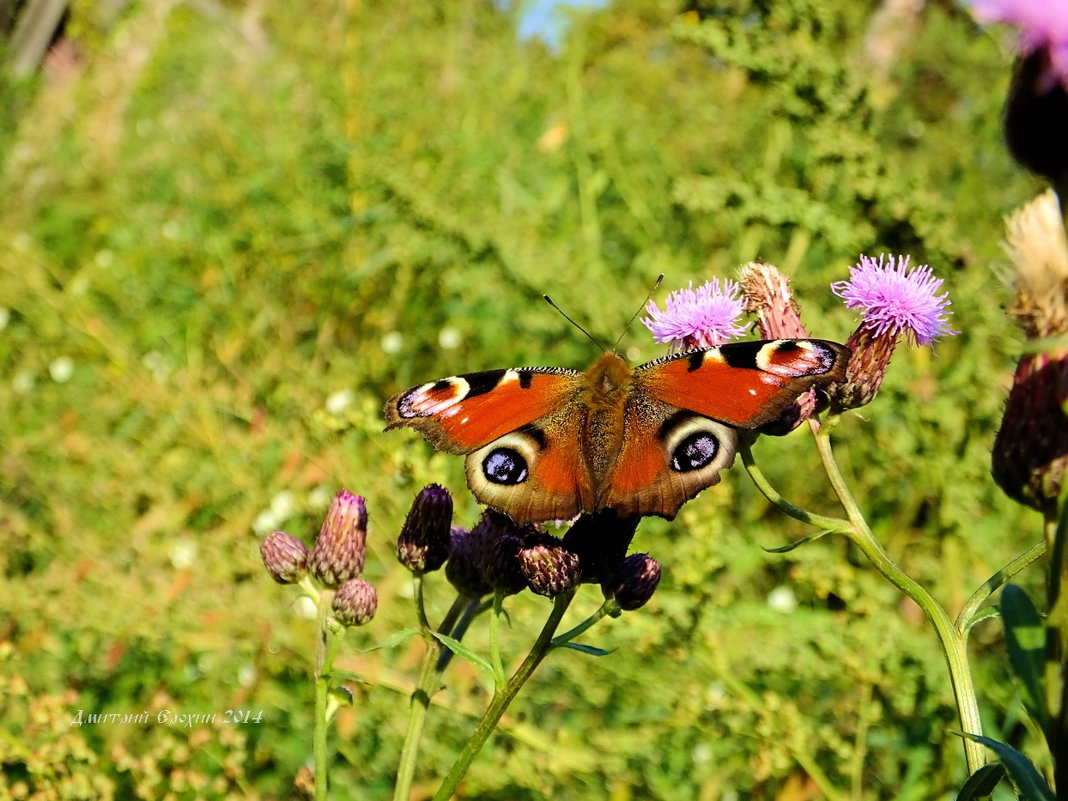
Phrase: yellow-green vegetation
pixel 231 230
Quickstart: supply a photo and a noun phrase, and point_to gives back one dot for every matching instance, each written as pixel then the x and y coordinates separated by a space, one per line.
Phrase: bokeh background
pixel 229 230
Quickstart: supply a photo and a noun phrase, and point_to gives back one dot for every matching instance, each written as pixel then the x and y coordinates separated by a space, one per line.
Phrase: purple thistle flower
pixel 698 318
pixel 1043 25
pixel 895 300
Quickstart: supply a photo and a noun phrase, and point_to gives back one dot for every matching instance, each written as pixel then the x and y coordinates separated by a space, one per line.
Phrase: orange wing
pixel 743 384
pixel 462 413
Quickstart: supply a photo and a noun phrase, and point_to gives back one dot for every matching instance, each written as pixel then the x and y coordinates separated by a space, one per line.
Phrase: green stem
pixel 953 643
pixel 772 494
pixel 563 639
pixel 420 700
pixel 503 697
pixel 323 645
pixel 969 613
pixel 495 641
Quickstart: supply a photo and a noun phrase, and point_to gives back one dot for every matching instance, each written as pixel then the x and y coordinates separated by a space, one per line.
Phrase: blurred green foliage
pixel 225 215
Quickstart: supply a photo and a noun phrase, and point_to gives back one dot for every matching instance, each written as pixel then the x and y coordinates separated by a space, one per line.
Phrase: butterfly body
pixel 545 443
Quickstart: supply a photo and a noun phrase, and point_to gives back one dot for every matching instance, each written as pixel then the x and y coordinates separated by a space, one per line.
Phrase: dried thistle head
pixel 1038 247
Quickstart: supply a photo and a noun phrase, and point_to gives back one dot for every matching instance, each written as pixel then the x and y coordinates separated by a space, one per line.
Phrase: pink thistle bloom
pixel 1043 25
pixel 895 300
pixel 698 318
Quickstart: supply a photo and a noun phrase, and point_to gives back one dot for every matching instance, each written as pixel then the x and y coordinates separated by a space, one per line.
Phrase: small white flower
pixel 392 342
pixel 449 338
pixel 183 553
pixel 782 599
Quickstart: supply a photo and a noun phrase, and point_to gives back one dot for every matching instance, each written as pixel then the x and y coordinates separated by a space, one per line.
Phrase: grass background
pixel 231 230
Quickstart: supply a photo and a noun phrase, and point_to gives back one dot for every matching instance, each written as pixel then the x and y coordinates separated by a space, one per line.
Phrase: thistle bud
pixel 1030 452
pixel 500 540
pixel 423 544
pixel 355 602
pixel 768 295
pixel 600 541
pixel 637 580
pixel 549 568
pixel 285 557
pixel 339 549
pixel 464 568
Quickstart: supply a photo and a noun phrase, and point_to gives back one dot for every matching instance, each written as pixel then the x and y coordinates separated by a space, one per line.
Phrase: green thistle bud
pixel 549 568
pixel 285 557
pixel 339 549
pixel 423 544
pixel 355 602
pixel 637 580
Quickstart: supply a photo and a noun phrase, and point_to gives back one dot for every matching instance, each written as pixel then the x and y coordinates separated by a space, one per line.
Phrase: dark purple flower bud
pixel 600 540
pixel 339 549
pixel 500 540
pixel 464 568
pixel 423 544
pixel 549 568
pixel 285 557
pixel 637 580
pixel 1030 455
pixel 355 602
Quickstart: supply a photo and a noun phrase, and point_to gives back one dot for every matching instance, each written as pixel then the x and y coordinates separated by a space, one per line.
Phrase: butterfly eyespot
pixel 694 452
pixel 505 466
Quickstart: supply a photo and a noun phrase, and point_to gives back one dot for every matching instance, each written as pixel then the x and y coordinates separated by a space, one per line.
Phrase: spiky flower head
pixel 285 557
pixel 600 541
pixel 768 295
pixel 635 583
pixel 338 553
pixel 501 540
pixel 894 302
pixel 1043 27
pixel 423 543
pixel 464 568
pixel 1036 114
pixel 549 568
pixel 1030 454
pixel 355 602
pixel 698 318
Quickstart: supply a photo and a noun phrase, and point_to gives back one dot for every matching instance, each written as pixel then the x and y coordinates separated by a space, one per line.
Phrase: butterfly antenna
pixel 656 286
pixel 564 314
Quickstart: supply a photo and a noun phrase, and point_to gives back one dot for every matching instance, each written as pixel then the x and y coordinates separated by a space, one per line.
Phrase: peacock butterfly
pixel 546 443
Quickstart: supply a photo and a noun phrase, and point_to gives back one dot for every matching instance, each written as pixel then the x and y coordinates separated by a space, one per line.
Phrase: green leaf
pixel 463 651
pixel 982 783
pixel 394 640
pixel 1025 637
pixel 1024 774
pixel 587 649
pixel 790 546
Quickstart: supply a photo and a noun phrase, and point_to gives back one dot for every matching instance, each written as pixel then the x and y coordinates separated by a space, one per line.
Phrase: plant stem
pixel 772 494
pixel 952 642
pixel 503 697
pixel 586 624
pixel 968 615
pixel 420 700
pixel 322 689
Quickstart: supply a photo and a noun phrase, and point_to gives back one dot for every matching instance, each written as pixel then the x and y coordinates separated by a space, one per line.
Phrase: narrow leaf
pixel 1024 774
pixel 796 544
pixel 982 783
pixel 1025 639
pixel 587 649
pixel 464 652
pixel 394 640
